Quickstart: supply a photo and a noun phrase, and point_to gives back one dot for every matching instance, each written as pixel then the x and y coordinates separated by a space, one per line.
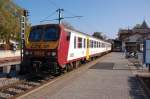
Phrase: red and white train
pixel 54 47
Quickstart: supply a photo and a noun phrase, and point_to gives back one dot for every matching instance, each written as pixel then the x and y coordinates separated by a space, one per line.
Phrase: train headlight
pixel 53 53
pixel 26 53
pixel 31 53
pixel 49 53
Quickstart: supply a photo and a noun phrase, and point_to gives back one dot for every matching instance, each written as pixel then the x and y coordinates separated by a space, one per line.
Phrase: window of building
pixel 79 42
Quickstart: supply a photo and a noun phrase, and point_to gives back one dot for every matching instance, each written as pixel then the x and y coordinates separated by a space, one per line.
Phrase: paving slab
pixel 110 78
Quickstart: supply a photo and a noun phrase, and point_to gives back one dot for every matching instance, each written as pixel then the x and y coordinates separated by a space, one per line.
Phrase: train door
pixel 87 49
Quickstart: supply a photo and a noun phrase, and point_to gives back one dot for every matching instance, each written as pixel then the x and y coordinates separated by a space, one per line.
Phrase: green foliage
pixel 98 35
pixel 67 25
pixel 9 21
pixel 137 26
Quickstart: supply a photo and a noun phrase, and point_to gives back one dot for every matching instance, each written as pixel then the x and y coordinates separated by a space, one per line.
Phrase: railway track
pixel 21 87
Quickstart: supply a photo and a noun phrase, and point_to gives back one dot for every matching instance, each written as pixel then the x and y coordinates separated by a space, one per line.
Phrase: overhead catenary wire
pixel 60 17
pixel 48 16
pixel 69 12
pixel 73 17
pixel 53 3
pixel 58 6
pixel 89 24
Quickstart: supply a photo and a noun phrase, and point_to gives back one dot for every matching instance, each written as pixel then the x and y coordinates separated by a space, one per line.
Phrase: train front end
pixel 41 49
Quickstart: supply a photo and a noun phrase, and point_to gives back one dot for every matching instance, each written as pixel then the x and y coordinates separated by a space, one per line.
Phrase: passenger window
pixel 75 42
pixel 79 42
pixel 84 43
pixel 103 45
pixel 90 43
pixel 94 44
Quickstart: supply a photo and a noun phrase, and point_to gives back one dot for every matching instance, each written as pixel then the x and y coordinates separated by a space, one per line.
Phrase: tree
pixel 10 15
pixel 67 25
pixel 99 35
pixel 137 26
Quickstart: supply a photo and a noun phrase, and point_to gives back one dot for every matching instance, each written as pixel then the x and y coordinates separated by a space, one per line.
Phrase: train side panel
pixel 63 47
pixel 75 52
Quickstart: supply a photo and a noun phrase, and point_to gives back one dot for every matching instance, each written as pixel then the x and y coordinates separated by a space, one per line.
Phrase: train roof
pixel 44 25
pixel 70 29
pixel 74 30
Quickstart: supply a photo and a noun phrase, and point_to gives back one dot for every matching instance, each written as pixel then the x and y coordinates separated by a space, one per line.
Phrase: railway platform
pixel 9 60
pixel 9 64
pixel 110 77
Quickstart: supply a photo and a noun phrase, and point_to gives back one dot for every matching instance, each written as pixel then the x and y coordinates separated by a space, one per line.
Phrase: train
pixel 117 46
pixel 57 48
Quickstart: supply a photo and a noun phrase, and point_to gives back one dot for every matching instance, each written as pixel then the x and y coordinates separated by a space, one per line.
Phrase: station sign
pixel 146 52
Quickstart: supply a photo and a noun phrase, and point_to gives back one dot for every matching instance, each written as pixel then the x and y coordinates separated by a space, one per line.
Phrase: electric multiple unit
pixel 54 47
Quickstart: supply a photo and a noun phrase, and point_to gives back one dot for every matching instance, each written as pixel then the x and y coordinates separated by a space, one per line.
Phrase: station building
pixel 132 39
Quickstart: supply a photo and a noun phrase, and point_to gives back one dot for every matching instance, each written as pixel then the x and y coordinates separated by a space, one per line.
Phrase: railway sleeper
pixel 24 86
pixel 5 95
pixel 17 87
pixel 15 91
pixel 9 92
pixel 33 84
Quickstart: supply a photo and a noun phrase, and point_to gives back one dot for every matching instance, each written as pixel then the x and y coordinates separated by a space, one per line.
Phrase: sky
pixel 106 16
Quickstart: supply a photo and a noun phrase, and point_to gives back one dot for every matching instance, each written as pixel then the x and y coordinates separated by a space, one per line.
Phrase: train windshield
pixel 35 35
pixel 51 33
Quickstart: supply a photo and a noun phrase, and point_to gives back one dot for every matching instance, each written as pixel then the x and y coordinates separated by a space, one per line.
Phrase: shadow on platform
pixel 136 90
